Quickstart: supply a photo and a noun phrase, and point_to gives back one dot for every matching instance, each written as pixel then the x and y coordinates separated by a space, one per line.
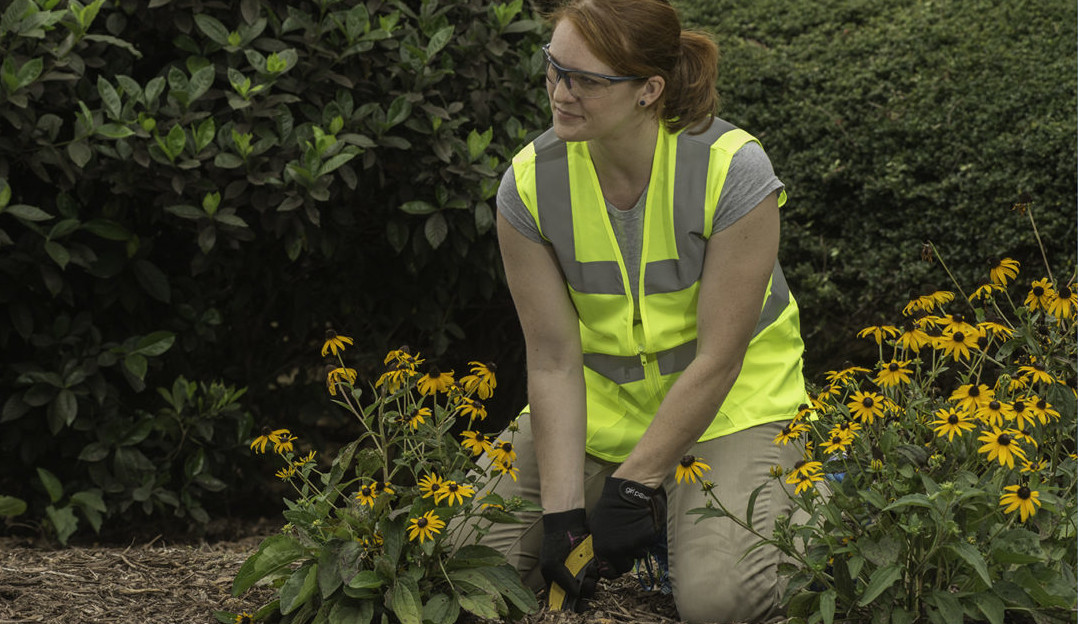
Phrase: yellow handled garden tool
pixel 577 563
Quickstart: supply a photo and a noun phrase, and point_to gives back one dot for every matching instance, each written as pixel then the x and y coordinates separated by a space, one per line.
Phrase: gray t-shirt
pixel 749 180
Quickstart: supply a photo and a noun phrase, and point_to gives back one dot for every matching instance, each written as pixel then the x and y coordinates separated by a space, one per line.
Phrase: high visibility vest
pixel 631 360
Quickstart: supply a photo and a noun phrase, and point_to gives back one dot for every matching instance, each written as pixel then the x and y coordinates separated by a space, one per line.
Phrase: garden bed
pixel 160 582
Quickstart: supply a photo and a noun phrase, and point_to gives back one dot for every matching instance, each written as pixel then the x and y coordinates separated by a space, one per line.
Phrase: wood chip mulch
pixel 156 582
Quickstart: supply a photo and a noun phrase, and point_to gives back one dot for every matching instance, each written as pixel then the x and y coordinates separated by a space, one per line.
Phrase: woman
pixel 639 237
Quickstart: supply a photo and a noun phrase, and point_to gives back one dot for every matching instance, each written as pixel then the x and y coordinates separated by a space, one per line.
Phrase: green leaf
pixel 949 607
pixel 881 552
pixel 438 41
pixel 441 609
pixel 299 588
pixel 58 253
pixel 94 451
pixel 52 485
pixel 136 365
pixel 477 143
pixel 509 584
pixel 479 604
pixel 910 500
pixel 110 99
pixel 185 211
pixel 204 134
pixel 175 141
pixel 212 28
pixel 1017 546
pixel 28 213
pixel 63 522
pixel 474 556
pixel 484 218
pixel 153 280
pixel 827 606
pixel 5 193
pixel 273 554
pixel 990 605
pixel 752 503
pixel 201 81
pixel 66 406
pixel 153 345
pixel 29 72
pixel 366 579
pixel 436 229
pixel 417 207
pixel 107 229
pixel 334 162
pixel 973 557
pixel 11 506
pixel 114 131
pixel 406 600
pixel 89 500
pixel 398 111
pixel 80 153
pixel 348 612
pixel 879 582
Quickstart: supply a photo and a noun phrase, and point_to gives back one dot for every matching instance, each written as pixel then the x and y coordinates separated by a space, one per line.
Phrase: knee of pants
pixel 710 599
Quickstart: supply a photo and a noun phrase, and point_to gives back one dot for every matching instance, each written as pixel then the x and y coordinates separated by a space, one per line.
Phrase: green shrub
pixel 897 123
pixel 190 186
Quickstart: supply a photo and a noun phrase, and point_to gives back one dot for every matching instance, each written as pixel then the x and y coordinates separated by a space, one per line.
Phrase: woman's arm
pixel 737 265
pixel 555 366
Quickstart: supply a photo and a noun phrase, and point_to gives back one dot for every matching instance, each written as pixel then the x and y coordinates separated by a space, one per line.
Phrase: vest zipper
pixel 652 375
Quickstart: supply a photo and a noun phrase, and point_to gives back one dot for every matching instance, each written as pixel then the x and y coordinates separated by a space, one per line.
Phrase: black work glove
pixel 628 518
pixel 562 531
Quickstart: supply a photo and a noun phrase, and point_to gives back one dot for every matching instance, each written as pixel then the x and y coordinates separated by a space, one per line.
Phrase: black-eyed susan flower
pixel 482 380
pixel 1035 372
pixel 893 373
pixel 1040 295
pixel 452 491
pixel 284 443
pixel 1062 306
pixel 1021 499
pixel 473 409
pixel 419 417
pixel 1001 445
pixel 334 343
pixel 1023 412
pixel 954 323
pixel 1043 410
pixel 803 411
pixel 503 452
pixel 430 485
pixel 969 397
pixel 425 527
pixel 792 431
pixel 689 468
pixel 995 412
pixel 1002 270
pixel 506 468
pixel 804 481
pixel 929 302
pixel 339 375
pixel 1026 437
pixel 957 344
pixel 403 357
pixel 243 618
pixel 837 442
pixel 879 332
pixel 985 292
pixel 259 443
pixel 996 329
pixel 396 378
pixel 805 467
pixel 476 442
pixel 286 473
pixel 846 427
pixel 950 422
pixel 434 381
pixel 1034 467
pixel 913 337
pixel 866 406
pixel 839 377
pixel 367 494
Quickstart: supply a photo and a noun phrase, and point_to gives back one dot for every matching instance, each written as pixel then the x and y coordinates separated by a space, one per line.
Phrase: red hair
pixel 644 38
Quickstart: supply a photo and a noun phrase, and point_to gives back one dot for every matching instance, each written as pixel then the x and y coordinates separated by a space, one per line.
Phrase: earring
pixel 643 102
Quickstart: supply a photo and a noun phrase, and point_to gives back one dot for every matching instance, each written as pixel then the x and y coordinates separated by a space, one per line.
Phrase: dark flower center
pixel 507 446
pixel 952 419
pixel 479 437
pixel 1019 406
pixel 844 425
pixel 1038 366
pixel 957 318
pixel 422 522
pixel 689 460
pixel 453 487
pixel 1003 439
pixel 974 391
pixel 1042 404
pixel 994 406
pixel 803 406
pixel 959 337
pixel 366 491
pixel 785 432
pixel 800 463
pixel 434 487
pixel 1024 493
pixel 836 440
pixel 1038 291
pixel 1065 292
pixel 330 334
pixel 892 367
pixel 867 402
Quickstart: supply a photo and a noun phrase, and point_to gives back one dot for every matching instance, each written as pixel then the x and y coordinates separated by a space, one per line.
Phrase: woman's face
pixel 586 119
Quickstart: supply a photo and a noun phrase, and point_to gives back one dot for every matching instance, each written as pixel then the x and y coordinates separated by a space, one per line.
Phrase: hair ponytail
pixel 690 95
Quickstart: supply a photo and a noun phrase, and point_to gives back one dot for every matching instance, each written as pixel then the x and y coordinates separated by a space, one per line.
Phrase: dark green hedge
pixel 198 188
pixel 898 123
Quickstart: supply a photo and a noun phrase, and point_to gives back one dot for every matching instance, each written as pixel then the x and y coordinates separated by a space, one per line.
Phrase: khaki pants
pixel 710 579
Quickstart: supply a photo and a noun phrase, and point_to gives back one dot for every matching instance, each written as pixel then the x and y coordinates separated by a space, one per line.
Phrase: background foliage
pixel 195 189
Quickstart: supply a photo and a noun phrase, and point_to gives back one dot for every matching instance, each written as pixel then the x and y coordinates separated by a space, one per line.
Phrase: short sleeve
pixel 512 208
pixel 749 180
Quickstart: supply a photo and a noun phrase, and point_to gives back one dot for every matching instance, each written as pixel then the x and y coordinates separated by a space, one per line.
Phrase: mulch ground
pixel 156 582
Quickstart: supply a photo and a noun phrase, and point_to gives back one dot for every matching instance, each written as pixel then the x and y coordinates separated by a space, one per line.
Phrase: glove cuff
pixel 629 491
pixel 573 521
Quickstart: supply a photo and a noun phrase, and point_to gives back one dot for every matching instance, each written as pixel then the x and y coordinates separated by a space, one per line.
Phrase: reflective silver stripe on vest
pixel 554 200
pixel 623 369
pixel 690 191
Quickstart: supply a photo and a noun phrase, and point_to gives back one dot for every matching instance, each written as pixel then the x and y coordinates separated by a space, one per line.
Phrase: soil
pixel 156 581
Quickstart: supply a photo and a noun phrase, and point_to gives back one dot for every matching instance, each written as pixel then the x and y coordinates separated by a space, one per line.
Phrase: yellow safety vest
pixel 630 365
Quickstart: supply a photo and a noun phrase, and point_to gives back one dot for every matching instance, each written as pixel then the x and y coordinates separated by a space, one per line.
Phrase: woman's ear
pixel 652 90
